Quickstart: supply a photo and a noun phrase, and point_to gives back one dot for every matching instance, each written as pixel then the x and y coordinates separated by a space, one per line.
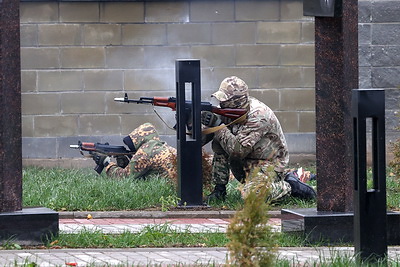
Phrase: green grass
pixel 336 260
pixel 393 192
pixel 164 236
pixel 161 235
pixel 82 189
pixel 151 236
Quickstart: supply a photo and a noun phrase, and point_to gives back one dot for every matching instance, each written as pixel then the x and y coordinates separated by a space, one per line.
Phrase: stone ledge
pixel 29 226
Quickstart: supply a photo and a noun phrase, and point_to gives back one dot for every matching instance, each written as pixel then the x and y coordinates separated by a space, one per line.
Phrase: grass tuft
pixel 162 235
pixel 72 190
pixel 84 190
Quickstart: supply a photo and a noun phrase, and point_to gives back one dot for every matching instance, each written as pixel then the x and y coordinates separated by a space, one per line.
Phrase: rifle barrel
pixel 137 101
pixel 74 146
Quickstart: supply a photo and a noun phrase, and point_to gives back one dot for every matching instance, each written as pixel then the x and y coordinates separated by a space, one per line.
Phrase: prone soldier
pixel 151 156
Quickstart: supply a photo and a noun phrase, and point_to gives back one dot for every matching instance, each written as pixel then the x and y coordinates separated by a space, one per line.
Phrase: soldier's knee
pixel 217 148
pixel 237 168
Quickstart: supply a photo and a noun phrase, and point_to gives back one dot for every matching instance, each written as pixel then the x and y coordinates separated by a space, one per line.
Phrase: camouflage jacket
pixel 260 137
pixel 152 156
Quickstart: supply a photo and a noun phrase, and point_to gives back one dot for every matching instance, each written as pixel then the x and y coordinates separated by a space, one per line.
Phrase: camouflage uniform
pixel 258 142
pixel 152 156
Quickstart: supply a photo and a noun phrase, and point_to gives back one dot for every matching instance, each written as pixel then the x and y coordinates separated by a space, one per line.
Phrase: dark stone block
pixel 365 77
pixel 385 77
pixel 29 226
pixel 385 56
pixel 39 147
pixel 385 11
pixel 392 96
pixel 364 11
pixel 332 227
pixel 316 225
pixel 364 34
pixel 385 34
pixel 364 55
pixel 392 122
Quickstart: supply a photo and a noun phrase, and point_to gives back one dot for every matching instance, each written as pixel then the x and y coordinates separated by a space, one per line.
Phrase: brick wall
pixel 78 56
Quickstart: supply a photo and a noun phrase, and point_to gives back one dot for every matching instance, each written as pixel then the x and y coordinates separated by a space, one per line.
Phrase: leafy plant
pixel 252 241
pixel 10 244
pixel 168 202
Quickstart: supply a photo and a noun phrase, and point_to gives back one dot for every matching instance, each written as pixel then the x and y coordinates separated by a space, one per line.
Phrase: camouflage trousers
pixel 223 165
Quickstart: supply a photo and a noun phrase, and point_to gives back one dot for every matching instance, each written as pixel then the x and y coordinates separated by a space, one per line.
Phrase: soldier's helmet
pixel 232 93
pixel 143 134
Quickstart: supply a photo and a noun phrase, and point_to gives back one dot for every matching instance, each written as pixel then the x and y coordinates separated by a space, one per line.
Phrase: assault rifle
pixel 170 102
pixel 105 149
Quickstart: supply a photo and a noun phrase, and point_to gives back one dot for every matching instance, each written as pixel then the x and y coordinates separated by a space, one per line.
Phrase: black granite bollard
pixel 190 186
pixel 370 226
pixel 370 239
pixel 10 115
pixel 336 74
pixel 27 226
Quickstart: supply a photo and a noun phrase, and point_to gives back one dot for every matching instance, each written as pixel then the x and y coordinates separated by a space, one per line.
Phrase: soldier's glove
pixel 209 119
pixel 122 161
pixel 206 138
pixel 101 160
pixel 226 120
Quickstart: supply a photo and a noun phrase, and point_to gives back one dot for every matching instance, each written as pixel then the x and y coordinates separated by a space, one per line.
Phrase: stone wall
pixel 78 56
pixel 379 55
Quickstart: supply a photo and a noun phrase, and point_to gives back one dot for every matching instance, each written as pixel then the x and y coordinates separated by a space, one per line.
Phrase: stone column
pixel 336 70
pixel 10 115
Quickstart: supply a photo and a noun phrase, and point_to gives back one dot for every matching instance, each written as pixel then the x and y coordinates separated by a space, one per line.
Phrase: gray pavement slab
pixel 165 256
pixel 297 256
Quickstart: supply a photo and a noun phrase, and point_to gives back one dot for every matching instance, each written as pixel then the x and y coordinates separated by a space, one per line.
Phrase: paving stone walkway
pixel 164 256
pixel 158 256
pixel 115 226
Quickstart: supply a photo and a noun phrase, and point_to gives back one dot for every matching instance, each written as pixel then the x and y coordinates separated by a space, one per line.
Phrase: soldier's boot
pixel 300 189
pixel 219 193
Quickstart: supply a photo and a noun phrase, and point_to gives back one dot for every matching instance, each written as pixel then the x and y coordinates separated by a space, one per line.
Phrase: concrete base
pixel 29 226
pixel 332 227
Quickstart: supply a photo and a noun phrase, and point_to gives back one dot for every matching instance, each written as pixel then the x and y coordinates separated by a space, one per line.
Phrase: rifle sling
pixel 217 128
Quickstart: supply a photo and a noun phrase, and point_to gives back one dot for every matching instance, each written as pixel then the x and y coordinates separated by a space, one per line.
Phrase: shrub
pixel 252 242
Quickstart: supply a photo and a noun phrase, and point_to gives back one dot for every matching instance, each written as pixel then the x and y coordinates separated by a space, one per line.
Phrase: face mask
pixel 235 102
